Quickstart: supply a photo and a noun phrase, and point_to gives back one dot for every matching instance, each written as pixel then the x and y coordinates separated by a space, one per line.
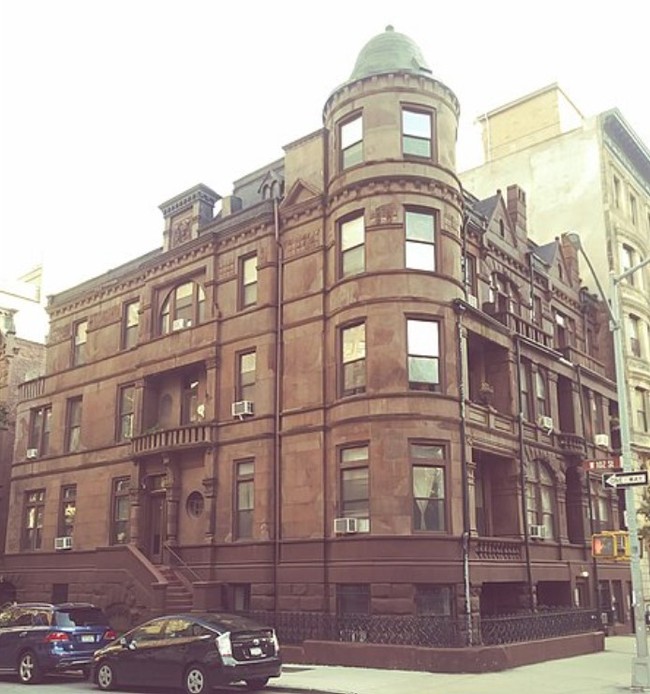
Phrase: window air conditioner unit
pixel 181 323
pixel 546 423
pixel 601 440
pixel 346 526
pixel 62 543
pixel 32 453
pixel 472 300
pixel 537 532
pixel 242 408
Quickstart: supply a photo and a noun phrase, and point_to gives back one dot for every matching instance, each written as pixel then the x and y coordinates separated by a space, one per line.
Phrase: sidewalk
pixel 608 672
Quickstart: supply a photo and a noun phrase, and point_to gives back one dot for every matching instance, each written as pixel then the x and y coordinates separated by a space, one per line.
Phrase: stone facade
pixel 310 400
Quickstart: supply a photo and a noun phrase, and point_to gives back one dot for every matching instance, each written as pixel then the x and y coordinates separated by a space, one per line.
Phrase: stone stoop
pixel 178 597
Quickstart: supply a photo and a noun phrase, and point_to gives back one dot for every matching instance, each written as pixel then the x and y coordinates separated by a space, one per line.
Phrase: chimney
pixel 230 204
pixel 516 205
pixel 186 213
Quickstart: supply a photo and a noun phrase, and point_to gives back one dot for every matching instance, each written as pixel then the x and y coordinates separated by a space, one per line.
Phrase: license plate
pixel 87 638
pixel 256 651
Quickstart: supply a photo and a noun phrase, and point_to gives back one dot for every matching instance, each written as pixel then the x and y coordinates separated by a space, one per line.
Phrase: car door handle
pixel 23 634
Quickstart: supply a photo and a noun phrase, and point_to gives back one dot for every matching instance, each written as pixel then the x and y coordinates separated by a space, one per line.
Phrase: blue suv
pixel 39 638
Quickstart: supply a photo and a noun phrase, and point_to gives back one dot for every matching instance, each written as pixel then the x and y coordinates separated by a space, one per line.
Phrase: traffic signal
pixel 603 546
pixel 614 544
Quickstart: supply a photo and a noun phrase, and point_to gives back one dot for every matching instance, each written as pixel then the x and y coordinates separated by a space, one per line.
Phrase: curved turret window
pixel 423 344
pixel 353 257
pixel 183 307
pixel 417 133
pixel 351 134
pixel 420 240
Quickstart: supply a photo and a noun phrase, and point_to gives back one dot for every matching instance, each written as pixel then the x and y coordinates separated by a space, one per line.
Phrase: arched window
pixel 540 497
pixel 183 307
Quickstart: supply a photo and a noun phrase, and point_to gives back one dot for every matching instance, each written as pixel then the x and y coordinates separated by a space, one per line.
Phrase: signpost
pixel 602 464
pixel 626 479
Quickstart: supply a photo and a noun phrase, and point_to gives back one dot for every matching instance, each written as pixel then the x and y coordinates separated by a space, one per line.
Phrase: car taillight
pixel 56 636
pixel 275 642
pixel 223 645
pixel 110 635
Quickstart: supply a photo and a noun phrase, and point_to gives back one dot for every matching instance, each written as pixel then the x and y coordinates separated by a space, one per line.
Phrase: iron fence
pixel 293 628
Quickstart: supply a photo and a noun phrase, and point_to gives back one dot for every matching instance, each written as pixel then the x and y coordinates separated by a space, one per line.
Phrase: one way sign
pixel 626 479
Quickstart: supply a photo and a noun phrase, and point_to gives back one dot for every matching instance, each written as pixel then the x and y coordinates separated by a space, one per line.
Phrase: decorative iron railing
pixel 426 630
pixel 499 549
pixel 541 625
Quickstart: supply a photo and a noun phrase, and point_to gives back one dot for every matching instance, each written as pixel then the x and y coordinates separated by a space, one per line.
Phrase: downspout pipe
pixel 462 350
pixel 522 477
pixel 277 423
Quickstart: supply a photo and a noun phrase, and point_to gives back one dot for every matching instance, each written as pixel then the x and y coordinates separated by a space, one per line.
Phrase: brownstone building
pixel 354 388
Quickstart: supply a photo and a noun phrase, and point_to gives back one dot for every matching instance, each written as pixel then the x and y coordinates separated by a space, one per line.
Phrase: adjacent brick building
pixel 310 400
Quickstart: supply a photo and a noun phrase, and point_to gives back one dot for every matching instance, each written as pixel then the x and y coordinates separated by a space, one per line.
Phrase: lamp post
pixel 640 662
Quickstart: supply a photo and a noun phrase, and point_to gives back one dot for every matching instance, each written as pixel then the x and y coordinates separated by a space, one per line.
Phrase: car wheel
pixel 29 671
pixel 195 680
pixel 105 677
pixel 259 683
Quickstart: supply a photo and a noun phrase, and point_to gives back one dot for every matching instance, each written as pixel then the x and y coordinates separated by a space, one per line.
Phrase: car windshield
pixel 80 617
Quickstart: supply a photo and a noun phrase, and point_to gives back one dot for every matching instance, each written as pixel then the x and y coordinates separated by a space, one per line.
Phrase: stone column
pixel 172 494
pixel 210 493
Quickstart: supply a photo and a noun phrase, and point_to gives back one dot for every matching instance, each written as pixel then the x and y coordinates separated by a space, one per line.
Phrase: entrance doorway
pixel 156 526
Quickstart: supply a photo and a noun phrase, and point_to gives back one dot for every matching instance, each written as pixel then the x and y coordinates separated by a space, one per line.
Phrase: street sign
pixel 626 479
pixel 602 464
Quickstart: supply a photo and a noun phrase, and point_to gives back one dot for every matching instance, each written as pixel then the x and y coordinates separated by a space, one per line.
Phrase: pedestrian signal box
pixel 614 545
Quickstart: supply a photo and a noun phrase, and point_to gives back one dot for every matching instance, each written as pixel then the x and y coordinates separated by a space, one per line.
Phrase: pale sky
pixel 110 107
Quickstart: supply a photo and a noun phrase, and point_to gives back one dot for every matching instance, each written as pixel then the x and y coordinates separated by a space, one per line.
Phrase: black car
pixel 39 638
pixel 195 652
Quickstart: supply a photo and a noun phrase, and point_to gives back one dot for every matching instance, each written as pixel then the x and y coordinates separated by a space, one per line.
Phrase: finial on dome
pixel 390 27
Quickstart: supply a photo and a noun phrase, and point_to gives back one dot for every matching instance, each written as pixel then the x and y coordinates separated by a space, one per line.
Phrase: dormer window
pixel 417 133
pixel 352 142
pixel 184 307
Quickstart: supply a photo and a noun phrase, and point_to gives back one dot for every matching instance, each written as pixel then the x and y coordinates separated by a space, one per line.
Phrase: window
pixel 190 409
pixel 126 404
pixel 68 510
pixel 130 324
pixel 352 142
pixel 245 499
pixel 246 376
pixel 420 240
pixel 428 487
pixel 588 410
pixel 353 359
pixel 617 192
pixel 352 598
pixel 633 210
pixel 39 429
pixel 540 497
pixel 635 345
pixel 471 279
pixel 73 425
pixel 599 413
pixel 561 338
pixel 417 133
pixel 627 262
pixel 183 307
pixel 600 505
pixel 541 393
pixel 195 504
pixel 433 600
pixel 641 407
pixel 537 311
pixel 354 483
pixel 525 376
pixel 248 281
pixel 79 347
pixel 423 354
pixel 353 260
pixel 121 507
pixel 33 524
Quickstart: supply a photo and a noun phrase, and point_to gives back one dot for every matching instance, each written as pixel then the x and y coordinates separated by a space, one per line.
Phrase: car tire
pixel 105 677
pixel 195 680
pixel 29 671
pixel 258 683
